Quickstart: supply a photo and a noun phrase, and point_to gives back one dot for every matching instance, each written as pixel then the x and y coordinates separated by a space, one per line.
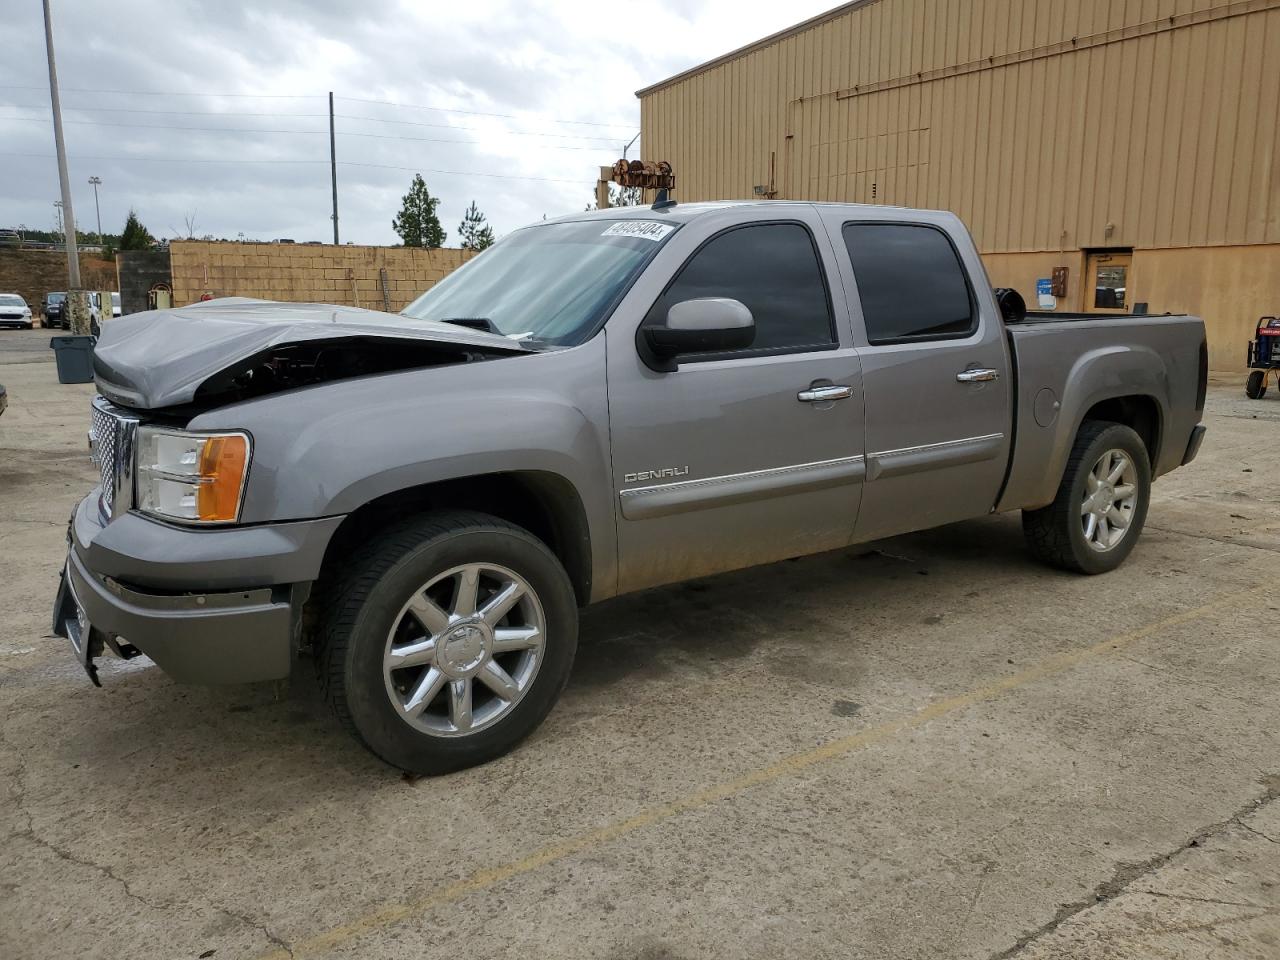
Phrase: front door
pixel 935 373
pixel 744 458
pixel 1107 282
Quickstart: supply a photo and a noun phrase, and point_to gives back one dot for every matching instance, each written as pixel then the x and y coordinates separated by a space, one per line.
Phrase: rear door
pixel 935 367
pixel 740 458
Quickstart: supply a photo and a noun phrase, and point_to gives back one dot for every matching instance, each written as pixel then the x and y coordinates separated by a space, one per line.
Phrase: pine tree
pixel 474 232
pixel 417 222
pixel 135 236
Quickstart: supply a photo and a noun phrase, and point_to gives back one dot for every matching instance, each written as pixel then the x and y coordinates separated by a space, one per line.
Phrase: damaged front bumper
pixel 194 633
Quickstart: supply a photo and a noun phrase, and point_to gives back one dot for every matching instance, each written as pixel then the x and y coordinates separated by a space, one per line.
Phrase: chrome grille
pixel 111 447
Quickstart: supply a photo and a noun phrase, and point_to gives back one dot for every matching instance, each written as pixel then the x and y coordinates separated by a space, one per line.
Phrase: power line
pixel 341 163
pixel 341 133
pixel 315 116
pixel 168 93
pixel 388 136
pixel 177 113
pixel 478 113
pixel 312 96
pixel 516 133
pixel 458 173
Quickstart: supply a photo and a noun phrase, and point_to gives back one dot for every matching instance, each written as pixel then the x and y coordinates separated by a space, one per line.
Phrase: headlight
pixel 194 477
pixel 26 312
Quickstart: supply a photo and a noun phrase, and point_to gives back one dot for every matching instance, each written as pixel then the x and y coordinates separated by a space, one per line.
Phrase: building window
pixel 773 269
pixel 910 281
pixel 1109 293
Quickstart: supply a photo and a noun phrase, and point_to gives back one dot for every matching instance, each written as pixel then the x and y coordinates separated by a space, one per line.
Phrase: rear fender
pixel 1040 452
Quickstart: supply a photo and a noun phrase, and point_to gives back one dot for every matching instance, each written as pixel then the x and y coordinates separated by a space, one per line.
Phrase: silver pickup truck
pixel 599 404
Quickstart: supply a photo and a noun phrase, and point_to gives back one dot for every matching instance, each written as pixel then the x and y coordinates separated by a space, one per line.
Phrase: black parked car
pixel 52 308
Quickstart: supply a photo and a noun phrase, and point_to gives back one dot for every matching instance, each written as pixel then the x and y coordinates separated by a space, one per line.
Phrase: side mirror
pixel 705 325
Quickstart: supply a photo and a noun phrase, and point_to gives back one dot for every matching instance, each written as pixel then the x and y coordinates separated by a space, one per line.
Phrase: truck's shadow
pixel 727 617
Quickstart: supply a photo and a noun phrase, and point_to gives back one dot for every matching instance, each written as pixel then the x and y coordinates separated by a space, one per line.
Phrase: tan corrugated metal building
pixel 1133 142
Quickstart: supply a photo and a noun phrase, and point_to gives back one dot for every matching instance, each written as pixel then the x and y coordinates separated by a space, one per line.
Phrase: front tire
pixel 446 640
pixel 1256 386
pixel 1101 507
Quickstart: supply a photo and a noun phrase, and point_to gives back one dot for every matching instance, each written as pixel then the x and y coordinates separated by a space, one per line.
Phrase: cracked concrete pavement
pixel 934 748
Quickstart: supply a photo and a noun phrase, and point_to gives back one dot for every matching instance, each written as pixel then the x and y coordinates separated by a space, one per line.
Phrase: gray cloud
pixel 539 64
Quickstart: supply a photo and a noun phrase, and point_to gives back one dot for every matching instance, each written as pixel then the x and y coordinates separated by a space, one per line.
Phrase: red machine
pixel 1264 357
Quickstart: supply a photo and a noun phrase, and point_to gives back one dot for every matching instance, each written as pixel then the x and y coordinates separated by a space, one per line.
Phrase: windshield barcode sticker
pixel 643 229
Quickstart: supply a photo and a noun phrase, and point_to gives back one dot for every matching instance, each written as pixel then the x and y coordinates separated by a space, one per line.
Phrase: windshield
pixel 11 300
pixel 551 283
pixel 57 297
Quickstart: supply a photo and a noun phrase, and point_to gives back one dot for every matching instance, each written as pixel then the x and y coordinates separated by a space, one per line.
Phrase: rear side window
pixel 910 281
pixel 773 269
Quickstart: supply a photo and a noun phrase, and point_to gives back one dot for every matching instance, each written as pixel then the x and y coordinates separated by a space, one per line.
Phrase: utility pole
pixel 68 216
pixel 333 168
pixel 96 182
pixel 77 302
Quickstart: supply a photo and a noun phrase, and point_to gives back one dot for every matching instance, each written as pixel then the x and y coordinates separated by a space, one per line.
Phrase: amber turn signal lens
pixel 222 465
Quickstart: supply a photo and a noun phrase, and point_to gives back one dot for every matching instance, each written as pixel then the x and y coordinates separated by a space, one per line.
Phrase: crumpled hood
pixel 160 358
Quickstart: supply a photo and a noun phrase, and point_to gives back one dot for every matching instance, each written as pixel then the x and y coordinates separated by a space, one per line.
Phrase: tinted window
pixel 910 282
pixel 772 268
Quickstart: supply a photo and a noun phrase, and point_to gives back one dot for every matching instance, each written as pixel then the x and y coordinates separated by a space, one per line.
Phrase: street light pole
pixel 68 216
pixel 97 182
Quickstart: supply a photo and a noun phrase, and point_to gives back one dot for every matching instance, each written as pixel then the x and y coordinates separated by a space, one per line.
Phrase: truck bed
pixel 1162 357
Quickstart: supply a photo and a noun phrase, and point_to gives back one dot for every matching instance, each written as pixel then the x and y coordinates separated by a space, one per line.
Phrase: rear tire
pixel 1256 386
pixel 1101 507
pixel 424 655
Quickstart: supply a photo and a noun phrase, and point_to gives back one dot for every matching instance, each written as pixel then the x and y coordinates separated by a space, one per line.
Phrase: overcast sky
pixel 562 74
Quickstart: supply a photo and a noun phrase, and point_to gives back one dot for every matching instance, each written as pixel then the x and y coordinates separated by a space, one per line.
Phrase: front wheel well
pixel 1139 412
pixel 545 504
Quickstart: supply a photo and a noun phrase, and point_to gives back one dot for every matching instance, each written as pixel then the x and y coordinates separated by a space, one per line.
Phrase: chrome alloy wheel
pixel 1110 497
pixel 464 650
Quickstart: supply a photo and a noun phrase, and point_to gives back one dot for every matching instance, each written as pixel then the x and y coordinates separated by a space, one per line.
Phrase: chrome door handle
pixel 834 391
pixel 978 376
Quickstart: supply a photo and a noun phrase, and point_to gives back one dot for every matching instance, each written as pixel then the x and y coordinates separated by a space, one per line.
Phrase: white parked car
pixel 14 311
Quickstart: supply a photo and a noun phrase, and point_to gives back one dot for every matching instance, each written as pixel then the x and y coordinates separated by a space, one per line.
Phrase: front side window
pixel 910 281
pixel 551 284
pixel 773 269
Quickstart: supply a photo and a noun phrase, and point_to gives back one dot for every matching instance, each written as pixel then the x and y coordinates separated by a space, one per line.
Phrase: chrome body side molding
pixel 665 499
pixel 932 456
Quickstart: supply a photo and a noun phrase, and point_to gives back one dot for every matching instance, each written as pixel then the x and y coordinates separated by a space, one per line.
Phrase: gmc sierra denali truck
pixel 596 405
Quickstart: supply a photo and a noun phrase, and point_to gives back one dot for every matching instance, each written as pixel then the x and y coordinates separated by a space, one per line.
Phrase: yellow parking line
pixel 318 943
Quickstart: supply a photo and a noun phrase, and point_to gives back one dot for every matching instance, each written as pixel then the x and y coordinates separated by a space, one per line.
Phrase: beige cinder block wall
pixel 307 273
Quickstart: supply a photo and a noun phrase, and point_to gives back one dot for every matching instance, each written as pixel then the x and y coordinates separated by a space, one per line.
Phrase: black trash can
pixel 75 358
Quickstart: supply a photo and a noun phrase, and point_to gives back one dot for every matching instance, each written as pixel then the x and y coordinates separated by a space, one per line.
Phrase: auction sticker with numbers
pixel 643 229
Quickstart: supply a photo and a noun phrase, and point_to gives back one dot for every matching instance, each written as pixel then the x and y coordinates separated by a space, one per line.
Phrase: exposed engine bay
pixel 290 366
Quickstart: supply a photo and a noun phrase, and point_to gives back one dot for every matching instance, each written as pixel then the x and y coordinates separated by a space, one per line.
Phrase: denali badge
pixel 660 474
